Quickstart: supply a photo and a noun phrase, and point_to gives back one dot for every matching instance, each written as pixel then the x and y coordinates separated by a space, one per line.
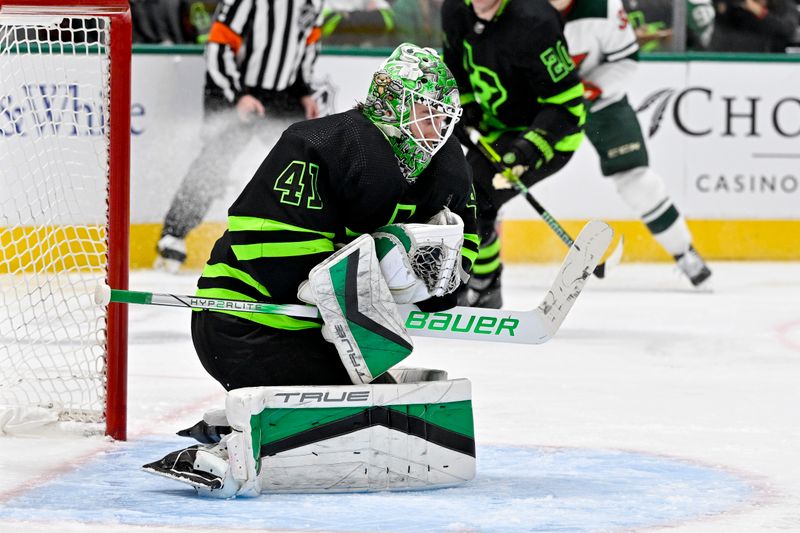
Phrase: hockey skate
pixel 694 267
pixel 482 292
pixel 171 254
pixel 206 468
pixel 180 465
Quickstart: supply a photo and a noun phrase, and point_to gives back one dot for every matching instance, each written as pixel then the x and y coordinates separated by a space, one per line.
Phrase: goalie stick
pixel 465 323
pixel 494 158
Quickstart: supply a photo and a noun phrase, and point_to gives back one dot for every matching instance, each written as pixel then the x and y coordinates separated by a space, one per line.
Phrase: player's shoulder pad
pixel 593 9
pixel 334 136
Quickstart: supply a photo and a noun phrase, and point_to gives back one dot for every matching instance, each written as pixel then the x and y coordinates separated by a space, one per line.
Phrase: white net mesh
pixel 434 265
pixel 54 78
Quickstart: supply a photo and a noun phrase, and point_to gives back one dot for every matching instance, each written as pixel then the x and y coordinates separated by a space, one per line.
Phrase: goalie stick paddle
pixel 600 271
pixel 465 323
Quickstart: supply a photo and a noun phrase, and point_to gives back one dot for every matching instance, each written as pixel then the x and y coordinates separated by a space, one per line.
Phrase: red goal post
pixel 35 259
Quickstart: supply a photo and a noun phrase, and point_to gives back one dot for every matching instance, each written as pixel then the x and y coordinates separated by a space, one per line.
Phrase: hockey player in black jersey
pixel 355 213
pixel 520 91
pixel 388 168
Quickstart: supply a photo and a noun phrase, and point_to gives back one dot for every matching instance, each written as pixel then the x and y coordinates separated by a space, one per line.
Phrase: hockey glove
pixel 360 316
pixel 420 261
pixel 529 151
pixel 591 92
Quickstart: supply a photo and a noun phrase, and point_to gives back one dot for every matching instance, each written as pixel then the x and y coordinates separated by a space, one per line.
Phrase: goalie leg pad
pixel 361 317
pixel 403 436
pixel 415 434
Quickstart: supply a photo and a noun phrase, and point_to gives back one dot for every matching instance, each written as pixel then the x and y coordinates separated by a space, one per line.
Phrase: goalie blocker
pixel 415 434
pixel 357 289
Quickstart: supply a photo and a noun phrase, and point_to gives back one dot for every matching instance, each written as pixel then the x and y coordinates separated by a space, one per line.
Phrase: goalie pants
pixel 240 353
pixel 615 133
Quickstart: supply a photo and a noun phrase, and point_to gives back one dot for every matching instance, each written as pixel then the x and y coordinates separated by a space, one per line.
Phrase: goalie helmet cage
pixel 64 208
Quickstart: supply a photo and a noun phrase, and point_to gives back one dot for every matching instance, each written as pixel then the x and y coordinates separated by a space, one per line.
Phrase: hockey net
pixel 64 156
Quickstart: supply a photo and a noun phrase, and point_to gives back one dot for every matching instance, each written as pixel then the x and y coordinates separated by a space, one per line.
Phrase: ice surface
pixel 655 407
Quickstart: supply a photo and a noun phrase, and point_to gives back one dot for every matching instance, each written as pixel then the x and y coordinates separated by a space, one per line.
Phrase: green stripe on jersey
pixel 245 252
pixel 574 92
pixel 489 250
pixel 469 254
pixel 221 270
pixel 486 268
pixel 265 224
pixel 570 143
pixel 472 237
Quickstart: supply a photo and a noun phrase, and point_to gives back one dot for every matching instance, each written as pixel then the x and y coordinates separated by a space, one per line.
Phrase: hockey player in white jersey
pixel 604 48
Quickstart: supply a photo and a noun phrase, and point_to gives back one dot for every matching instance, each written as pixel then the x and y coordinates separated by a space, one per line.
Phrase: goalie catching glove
pixel 422 261
pixel 358 306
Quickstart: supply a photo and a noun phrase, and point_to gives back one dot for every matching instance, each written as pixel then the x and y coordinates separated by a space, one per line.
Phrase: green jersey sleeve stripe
pixel 580 112
pixel 222 270
pixel 246 252
pixel 541 143
pixel 576 91
pixel 264 224
pixel 491 250
pixel 570 143
pixel 471 255
pixel 273 321
pixel 486 268
pixel 472 237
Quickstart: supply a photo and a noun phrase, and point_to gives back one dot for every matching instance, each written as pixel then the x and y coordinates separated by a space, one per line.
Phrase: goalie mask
pixel 413 99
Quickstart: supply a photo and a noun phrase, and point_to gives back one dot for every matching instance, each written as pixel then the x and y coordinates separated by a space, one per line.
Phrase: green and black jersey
pixel 325 181
pixel 518 68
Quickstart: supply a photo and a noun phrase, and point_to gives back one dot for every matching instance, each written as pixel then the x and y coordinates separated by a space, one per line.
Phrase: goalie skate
pixel 203 467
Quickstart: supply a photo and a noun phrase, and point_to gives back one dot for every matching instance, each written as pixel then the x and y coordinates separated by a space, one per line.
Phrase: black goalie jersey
pixel 325 181
pixel 516 66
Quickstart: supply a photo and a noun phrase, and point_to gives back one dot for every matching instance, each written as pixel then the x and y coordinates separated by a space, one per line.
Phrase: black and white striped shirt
pixel 266 44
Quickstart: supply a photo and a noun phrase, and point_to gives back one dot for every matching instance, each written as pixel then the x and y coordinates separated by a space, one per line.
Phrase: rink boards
pixel 726 146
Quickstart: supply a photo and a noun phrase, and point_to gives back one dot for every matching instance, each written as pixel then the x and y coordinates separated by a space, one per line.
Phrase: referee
pixel 259 58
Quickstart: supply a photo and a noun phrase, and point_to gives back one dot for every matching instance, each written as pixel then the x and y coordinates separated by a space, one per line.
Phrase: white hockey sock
pixel 644 191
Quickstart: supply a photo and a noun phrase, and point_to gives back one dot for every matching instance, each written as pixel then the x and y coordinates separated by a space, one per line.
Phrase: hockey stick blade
pixel 462 323
pixel 524 327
